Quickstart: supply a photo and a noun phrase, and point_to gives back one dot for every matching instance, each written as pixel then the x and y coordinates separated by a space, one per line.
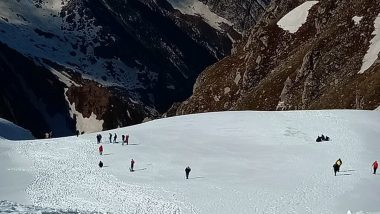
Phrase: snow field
pixel 242 162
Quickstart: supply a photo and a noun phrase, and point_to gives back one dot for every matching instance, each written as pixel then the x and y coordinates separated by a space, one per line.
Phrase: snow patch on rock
pixel 197 8
pixel 357 19
pixel 374 48
pixel 83 124
pixel 297 17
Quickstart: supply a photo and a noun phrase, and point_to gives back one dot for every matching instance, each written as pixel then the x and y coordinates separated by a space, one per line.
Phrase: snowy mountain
pixel 242 162
pixel 301 55
pixel 103 64
pixel 11 131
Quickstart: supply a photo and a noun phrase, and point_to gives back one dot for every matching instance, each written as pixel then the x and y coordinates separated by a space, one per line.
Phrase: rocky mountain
pixel 300 55
pixel 92 65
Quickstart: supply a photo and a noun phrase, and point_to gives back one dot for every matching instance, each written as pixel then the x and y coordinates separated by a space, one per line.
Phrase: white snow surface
pixel 197 8
pixel 374 48
pixel 242 162
pixel 357 19
pixel 10 131
pixel 297 17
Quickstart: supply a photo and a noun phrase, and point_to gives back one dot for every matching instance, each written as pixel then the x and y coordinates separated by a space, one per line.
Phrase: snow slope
pixel 297 17
pixel 10 131
pixel 242 162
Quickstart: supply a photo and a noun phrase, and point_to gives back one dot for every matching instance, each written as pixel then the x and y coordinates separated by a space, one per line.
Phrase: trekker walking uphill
pixel 125 140
pixel 187 171
pixel 100 149
pixel 110 137
pixel 375 166
pixel 132 165
pixel 100 164
pixel 339 163
pixel 336 168
pixel 114 138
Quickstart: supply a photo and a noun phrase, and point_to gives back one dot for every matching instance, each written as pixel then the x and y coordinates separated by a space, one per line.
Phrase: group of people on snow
pixel 339 163
pixel 322 138
pixel 125 139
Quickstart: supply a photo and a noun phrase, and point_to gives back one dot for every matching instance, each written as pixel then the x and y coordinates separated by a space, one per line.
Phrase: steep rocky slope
pixel 100 64
pixel 330 61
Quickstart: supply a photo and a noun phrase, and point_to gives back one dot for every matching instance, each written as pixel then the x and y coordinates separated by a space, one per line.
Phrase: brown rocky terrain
pixel 315 68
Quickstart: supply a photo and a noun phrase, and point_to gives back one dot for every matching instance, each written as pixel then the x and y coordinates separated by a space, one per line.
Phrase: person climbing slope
pixel 110 137
pixel 132 165
pixel 114 138
pixel 375 166
pixel 187 171
pixel 339 163
pixel 100 164
pixel 336 168
pixel 101 150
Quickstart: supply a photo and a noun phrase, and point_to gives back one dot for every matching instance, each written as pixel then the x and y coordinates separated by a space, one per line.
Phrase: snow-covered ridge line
pixel 297 17
pixel 10 131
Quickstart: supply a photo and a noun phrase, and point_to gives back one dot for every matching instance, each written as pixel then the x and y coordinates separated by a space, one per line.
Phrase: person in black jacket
pixel 187 171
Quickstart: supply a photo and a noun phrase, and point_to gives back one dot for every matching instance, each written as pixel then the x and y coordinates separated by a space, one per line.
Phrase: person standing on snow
pixel 132 165
pixel 114 138
pixel 100 149
pixel 336 168
pixel 339 163
pixel 122 138
pixel 110 138
pixel 375 166
pixel 100 164
pixel 187 171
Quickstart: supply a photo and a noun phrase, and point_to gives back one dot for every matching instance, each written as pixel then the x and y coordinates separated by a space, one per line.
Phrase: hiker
pixel 339 163
pixel 98 138
pixel 323 138
pixel 336 168
pixel 126 138
pixel 114 138
pixel 110 138
pixel 132 165
pixel 375 166
pixel 100 164
pixel 77 133
pixel 319 139
pixel 327 138
pixel 122 138
pixel 187 171
pixel 100 149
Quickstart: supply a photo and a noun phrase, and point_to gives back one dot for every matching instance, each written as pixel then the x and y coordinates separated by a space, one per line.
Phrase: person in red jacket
pixel 375 166
pixel 100 149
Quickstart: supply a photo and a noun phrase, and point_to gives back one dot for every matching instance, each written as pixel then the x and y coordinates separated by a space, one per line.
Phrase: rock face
pixel 91 65
pixel 317 67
